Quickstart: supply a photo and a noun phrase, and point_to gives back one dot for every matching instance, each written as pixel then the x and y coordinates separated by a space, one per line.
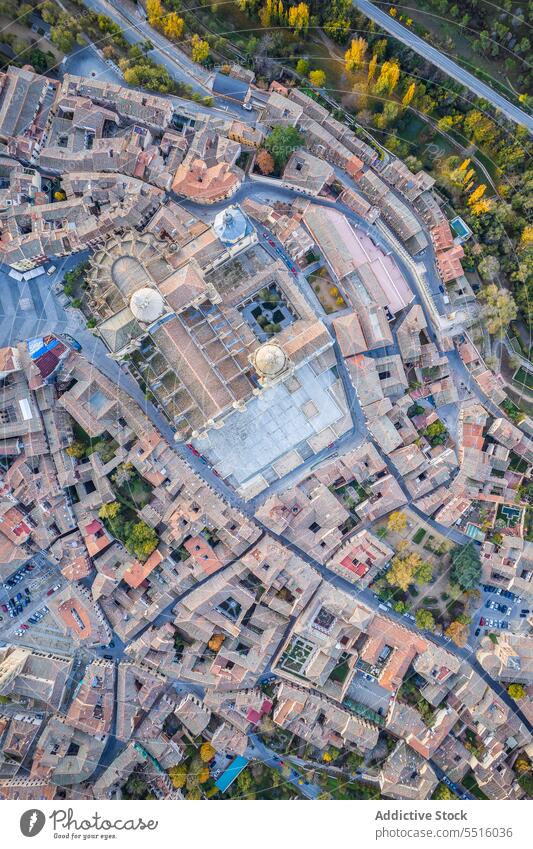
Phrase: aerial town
pixel 266 522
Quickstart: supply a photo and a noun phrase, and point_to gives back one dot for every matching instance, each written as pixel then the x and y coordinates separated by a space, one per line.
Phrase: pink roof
pixel 93 527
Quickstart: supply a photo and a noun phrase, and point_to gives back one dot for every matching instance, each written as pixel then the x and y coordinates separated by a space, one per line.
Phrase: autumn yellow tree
pixel 216 641
pixel 482 206
pixel 355 55
pixel 298 18
pixel 526 239
pixel 203 775
pixel 207 752
pixel 372 65
pixel 397 521
pixel 457 632
pixel 388 77
pixel 477 194
pixel 178 775
pixel 109 510
pixel 317 78
pixel 402 570
pixel 154 11
pixel 173 26
pixel 408 96
pixel 199 49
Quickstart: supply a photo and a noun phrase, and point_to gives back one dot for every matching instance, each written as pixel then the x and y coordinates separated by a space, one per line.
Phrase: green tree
pixel 141 540
pixel 442 791
pixel 302 67
pixel 425 619
pixel 466 566
pixel 281 143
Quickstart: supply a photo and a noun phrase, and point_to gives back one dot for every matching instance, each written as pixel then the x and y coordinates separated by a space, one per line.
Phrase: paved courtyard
pixel 279 422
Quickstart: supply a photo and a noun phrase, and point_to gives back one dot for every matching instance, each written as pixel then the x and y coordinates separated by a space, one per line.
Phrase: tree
pixel 110 510
pixel 397 521
pixel 207 752
pixel 265 161
pixel 298 18
pixel 281 143
pixel 141 540
pixel 499 307
pixel 425 619
pixel 199 49
pixel 388 77
pixel 408 96
pixel 442 791
pixel 154 12
pixel 372 65
pixel 174 26
pixel 477 194
pixel 203 775
pixel 76 449
pixel 60 195
pixel 424 573
pixel 317 78
pixel 489 268
pixel 457 632
pixel 403 567
pixel 355 55
pixel 216 641
pixel 466 566
pixel 516 691
pixel 302 67
pixel 178 775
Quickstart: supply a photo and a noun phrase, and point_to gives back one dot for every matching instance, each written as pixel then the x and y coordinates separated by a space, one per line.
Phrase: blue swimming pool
pixel 230 774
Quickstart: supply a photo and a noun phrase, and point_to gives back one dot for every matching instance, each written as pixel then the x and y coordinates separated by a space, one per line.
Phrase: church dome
pixel 269 360
pixel 147 305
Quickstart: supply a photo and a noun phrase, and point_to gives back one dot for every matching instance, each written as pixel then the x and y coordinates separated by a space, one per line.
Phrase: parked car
pixel 496 605
pixel 477 632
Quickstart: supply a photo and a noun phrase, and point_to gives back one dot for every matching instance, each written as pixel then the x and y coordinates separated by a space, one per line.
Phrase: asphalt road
pixel 442 61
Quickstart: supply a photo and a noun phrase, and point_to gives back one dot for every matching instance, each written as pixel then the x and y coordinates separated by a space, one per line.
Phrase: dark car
pixel 4 608
pixel 477 632
pixel 482 621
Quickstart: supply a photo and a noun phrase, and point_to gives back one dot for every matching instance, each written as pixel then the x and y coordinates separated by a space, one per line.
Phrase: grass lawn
pixel 524 378
pixel 419 536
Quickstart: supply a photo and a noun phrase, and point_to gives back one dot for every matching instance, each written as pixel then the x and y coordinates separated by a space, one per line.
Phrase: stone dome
pixel 269 360
pixel 147 305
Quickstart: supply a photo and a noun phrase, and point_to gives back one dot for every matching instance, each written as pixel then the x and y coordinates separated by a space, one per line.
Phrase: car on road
pixel 25 627
pixel 4 608
pixel 482 621
pixel 477 632
pixel 19 633
pixel 108 657
pixel 270 242
pixel 442 290
pixel 294 269
pixel 51 270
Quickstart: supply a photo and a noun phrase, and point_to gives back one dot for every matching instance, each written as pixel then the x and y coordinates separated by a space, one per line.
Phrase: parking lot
pixel 499 611
pixel 23 599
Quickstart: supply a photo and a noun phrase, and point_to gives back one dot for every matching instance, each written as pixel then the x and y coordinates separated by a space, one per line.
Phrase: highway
pixel 443 62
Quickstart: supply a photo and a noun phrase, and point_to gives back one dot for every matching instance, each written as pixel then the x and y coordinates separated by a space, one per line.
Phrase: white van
pixel 51 270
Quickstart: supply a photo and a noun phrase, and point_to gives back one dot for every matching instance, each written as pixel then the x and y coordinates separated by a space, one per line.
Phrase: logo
pixel 32 822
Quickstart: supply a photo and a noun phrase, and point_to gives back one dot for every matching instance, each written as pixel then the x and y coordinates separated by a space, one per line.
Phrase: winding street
pixel 443 62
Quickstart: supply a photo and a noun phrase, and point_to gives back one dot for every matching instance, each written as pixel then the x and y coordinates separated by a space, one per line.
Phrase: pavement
pixel 442 60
